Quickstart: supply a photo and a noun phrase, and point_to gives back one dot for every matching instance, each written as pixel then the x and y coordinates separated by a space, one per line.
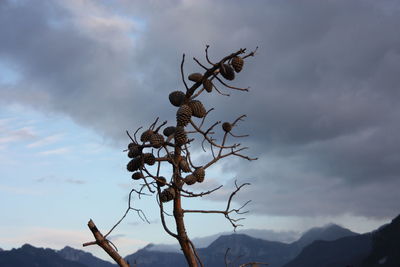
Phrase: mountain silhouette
pixel 329 246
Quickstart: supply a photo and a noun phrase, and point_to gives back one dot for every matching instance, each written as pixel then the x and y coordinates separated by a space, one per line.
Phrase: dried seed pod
pixel 131 145
pixel 169 131
pixel 197 108
pixel 184 166
pixel 145 137
pixel 190 179
pixel 161 181
pixel 137 176
pixel 134 164
pixel 180 136
pixel 227 127
pixel 177 98
pixel 227 72
pixel 149 159
pixel 134 150
pixel 195 77
pixel 237 63
pixel 183 115
pixel 208 85
pixel 157 140
pixel 167 194
pixel 200 174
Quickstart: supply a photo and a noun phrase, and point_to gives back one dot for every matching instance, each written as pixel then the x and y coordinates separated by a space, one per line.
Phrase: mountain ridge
pixel 248 248
pixel 327 246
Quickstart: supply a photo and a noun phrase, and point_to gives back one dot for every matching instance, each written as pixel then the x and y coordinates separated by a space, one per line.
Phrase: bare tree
pixel 173 147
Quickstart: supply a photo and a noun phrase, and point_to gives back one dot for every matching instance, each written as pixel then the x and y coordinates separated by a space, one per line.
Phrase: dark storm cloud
pixel 81 65
pixel 323 110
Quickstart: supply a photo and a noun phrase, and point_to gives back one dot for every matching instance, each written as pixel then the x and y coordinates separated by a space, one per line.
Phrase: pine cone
pixel 197 108
pixel 200 174
pixel 149 159
pixel 137 176
pixel 145 137
pixel 184 166
pixel 180 136
pixel 169 131
pixel 177 98
pixel 208 85
pixel 183 115
pixel 131 145
pixel 227 72
pixel 157 140
pixel 237 63
pixel 227 127
pixel 161 181
pixel 167 194
pixel 134 151
pixel 195 77
pixel 190 179
pixel 134 164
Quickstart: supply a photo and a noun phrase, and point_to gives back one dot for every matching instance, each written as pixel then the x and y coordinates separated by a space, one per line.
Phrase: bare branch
pixel 105 245
pixel 182 74
pixel 161 125
pixel 197 94
pixel 207 132
pixel 130 136
pixel 139 212
pixel 201 65
pixel 251 54
pixel 231 87
pixel 195 253
pixel 154 123
pixel 233 152
pixel 164 224
pixel 238 136
pixel 191 194
pixel 240 118
pixel 134 135
pixel 219 92
pixel 205 116
pixel 228 210
pixel 208 59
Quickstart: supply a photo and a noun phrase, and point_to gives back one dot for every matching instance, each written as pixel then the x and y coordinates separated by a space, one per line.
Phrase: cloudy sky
pixel 323 112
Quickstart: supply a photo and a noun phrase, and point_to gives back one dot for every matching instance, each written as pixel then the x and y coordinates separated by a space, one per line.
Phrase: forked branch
pixel 227 212
pixel 105 245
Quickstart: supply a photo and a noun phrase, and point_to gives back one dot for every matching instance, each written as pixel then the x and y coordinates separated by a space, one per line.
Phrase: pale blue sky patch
pixel 44 141
pixel 9 75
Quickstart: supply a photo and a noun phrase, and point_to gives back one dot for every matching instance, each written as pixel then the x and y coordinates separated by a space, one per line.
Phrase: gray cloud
pixel 322 113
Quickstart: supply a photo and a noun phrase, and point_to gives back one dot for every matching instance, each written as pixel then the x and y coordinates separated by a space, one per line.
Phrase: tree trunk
pixel 182 235
pixel 178 215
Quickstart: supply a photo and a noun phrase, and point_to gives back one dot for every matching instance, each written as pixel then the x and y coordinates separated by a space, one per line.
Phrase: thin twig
pixel 230 86
pixel 201 65
pixel 228 209
pixel 208 59
pixel 139 211
pixel 182 74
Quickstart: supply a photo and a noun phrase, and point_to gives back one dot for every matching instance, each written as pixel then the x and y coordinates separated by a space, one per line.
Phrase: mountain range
pixel 330 246
pixel 203 242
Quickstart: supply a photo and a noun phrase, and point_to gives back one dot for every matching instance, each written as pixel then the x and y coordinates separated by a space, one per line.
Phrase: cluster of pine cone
pixel 139 159
pixel 186 109
pixel 234 65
